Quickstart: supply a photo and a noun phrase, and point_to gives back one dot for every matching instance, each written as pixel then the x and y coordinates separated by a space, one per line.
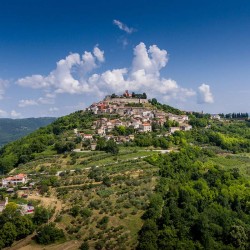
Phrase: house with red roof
pixel 14 180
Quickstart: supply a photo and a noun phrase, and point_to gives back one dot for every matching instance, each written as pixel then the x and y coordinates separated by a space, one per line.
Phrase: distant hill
pixel 13 129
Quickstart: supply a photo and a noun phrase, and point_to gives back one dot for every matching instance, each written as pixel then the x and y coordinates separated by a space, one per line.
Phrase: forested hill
pixel 13 129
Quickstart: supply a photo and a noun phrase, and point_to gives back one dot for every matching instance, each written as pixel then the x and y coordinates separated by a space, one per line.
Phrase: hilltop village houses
pixel 135 112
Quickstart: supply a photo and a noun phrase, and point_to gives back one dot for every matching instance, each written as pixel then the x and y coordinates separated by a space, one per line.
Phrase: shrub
pixel 84 246
pixel 85 212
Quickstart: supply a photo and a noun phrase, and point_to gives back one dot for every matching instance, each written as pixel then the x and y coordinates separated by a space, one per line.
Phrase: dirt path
pixel 47 202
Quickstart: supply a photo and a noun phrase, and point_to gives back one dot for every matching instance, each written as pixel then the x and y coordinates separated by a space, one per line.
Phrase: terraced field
pixel 103 197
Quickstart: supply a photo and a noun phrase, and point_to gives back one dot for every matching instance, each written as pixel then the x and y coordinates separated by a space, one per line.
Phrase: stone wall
pixel 125 100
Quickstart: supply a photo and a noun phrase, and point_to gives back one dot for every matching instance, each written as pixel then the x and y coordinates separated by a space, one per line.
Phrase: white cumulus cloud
pixel 3 113
pixel 123 26
pixel 3 85
pixel 68 75
pixel 14 114
pixel 142 76
pixel 76 75
pixel 204 94
pixel 25 103
pixel 99 54
pixel 53 109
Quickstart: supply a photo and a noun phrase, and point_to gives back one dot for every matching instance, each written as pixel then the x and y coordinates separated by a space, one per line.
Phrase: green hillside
pixel 13 129
pixel 160 190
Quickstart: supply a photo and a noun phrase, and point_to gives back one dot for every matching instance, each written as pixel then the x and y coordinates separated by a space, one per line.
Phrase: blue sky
pixel 60 56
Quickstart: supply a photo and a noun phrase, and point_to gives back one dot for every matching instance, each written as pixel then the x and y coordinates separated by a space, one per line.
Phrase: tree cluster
pixel 165 107
pixel 235 115
pixel 139 96
pixel 109 146
pixel 48 234
pixel 197 205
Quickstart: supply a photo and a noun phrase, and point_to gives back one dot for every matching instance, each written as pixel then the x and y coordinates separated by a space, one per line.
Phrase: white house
pixel 145 127
pixel 215 117
pixel 14 180
pixel 87 137
pixel 186 127
pixel 136 124
pixel 101 131
pixel 173 129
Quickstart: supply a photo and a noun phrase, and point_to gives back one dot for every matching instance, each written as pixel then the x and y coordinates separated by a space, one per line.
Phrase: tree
pixel 75 210
pixel 148 236
pixel 49 234
pixel 111 147
pixel 41 215
pixel 106 181
pixel 24 226
pixel 238 237
pixel 101 144
pixel 11 212
pixel 62 147
pixel 84 246
pixel 8 233
pixel 154 101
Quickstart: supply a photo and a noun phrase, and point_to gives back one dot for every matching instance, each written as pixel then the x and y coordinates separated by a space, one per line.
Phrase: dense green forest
pixel 13 129
pixel 197 205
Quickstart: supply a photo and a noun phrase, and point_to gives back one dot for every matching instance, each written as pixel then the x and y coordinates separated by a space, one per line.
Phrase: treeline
pixel 134 95
pixel 234 116
pixel 234 137
pixel 139 96
pixel 197 205
pixel 165 107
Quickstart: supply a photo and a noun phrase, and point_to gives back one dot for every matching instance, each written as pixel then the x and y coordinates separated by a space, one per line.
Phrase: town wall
pixel 126 100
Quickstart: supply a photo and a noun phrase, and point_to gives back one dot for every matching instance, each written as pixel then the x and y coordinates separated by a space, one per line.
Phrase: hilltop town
pixel 132 111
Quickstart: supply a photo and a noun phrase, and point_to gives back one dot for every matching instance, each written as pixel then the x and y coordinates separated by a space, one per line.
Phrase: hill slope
pixel 140 195
pixel 13 129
